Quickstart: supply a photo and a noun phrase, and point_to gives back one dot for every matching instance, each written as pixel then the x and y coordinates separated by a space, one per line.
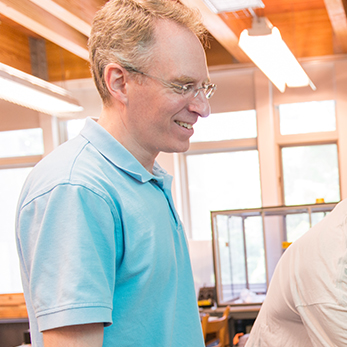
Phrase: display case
pixel 248 243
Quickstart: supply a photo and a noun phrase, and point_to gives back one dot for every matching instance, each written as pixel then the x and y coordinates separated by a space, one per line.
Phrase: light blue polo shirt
pixel 99 240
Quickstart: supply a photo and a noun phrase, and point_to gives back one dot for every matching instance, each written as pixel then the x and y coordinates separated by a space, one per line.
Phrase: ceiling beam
pixel 338 19
pixel 220 31
pixel 34 18
pixel 64 15
pixel 345 5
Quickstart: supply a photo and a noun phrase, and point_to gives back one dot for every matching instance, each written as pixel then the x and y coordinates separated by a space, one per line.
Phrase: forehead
pixel 178 52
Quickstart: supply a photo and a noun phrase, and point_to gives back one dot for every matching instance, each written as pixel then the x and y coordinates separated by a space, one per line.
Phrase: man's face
pixel 160 118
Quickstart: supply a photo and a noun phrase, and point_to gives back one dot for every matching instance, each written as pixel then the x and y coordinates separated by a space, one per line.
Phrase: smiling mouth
pixel 184 125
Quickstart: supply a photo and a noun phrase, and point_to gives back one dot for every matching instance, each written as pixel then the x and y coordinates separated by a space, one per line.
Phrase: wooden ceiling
pixel 311 28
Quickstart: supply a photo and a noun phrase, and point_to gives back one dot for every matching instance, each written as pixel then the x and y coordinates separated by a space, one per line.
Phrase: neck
pixel 113 122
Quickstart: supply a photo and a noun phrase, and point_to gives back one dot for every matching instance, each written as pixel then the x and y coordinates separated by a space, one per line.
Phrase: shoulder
pixel 73 167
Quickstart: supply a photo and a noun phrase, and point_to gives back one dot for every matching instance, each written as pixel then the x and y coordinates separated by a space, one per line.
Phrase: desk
pixel 12 331
pixel 238 313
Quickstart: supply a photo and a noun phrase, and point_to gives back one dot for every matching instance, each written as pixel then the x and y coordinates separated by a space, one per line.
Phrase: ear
pixel 115 79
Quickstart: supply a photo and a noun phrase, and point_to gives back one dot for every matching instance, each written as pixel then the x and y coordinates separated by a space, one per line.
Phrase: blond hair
pixel 123 32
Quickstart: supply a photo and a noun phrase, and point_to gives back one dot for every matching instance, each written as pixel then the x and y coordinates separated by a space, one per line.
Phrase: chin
pixel 183 147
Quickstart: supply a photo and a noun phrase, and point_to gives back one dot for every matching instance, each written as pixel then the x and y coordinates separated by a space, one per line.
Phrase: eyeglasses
pixel 187 89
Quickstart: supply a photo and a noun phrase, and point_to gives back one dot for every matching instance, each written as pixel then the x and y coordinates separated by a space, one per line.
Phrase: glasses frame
pixel 208 88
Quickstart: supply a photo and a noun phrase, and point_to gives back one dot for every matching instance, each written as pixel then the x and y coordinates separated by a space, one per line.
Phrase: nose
pixel 200 105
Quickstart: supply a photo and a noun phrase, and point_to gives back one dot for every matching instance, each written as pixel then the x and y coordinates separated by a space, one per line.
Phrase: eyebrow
pixel 184 79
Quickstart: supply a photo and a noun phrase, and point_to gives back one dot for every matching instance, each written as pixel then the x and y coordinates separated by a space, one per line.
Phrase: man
pixel 103 254
pixel 306 304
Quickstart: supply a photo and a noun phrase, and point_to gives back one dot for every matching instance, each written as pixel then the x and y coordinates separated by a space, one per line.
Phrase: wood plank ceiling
pixel 311 28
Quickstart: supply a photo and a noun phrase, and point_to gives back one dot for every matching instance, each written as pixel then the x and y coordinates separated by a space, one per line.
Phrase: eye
pixel 182 89
pixel 187 88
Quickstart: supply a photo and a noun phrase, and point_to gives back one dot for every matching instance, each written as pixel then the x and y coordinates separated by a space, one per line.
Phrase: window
pixel 310 173
pixel 219 181
pixel 20 150
pixel 298 223
pixel 309 153
pixel 226 126
pixel 307 117
pixel 17 143
pixel 309 156
pixel 74 127
pixel 11 182
pixel 222 168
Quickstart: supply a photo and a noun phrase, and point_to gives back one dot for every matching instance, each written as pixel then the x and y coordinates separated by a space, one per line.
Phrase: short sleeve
pixel 325 324
pixel 67 242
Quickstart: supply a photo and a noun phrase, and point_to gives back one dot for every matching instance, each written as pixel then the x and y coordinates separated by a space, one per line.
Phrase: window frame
pixel 197 148
pixel 17 162
pixel 305 139
pixel 12 305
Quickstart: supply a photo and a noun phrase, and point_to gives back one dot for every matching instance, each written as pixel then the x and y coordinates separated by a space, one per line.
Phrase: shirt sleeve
pixel 67 241
pixel 325 324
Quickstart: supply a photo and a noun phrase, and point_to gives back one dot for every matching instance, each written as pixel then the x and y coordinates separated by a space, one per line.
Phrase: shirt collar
pixel 116 153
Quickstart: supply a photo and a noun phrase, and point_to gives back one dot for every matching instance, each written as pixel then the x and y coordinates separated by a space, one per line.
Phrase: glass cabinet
pixel 247 245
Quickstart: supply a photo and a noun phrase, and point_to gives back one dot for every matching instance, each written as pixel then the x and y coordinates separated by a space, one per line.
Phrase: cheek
pixel 158 110
pixel 169 109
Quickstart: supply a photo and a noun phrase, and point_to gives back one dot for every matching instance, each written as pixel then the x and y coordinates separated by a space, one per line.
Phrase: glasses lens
pixel 209 90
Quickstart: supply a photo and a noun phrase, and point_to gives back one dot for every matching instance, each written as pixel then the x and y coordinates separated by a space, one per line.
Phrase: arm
pixel 86 335
pixel 70 261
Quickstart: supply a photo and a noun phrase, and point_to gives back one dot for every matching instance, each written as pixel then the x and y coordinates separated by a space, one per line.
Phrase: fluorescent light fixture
pixel 29 91
pixel 219 6
pixel 264 46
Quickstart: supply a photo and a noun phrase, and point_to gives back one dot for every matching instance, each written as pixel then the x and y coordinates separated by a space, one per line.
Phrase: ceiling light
pixel 219 6
pixel 264 46
pixel 26 90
